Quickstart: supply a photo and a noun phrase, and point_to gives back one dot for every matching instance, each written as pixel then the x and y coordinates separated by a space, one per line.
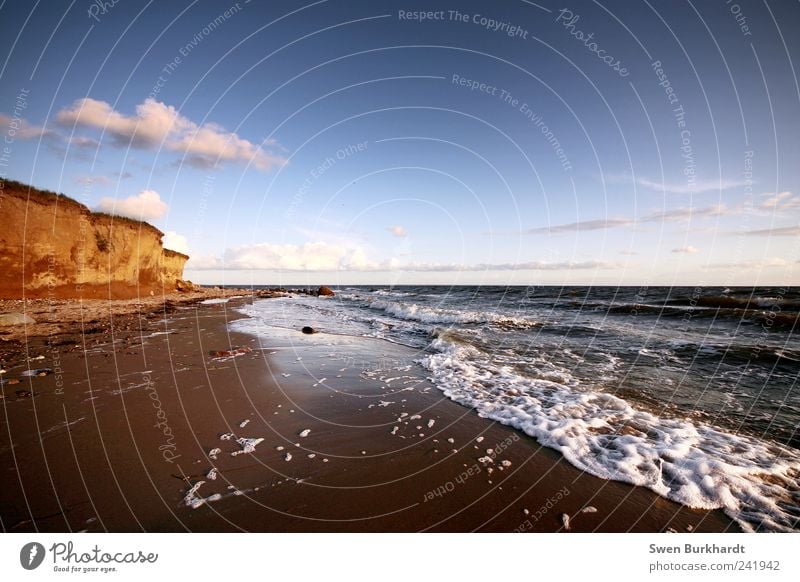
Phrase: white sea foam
pixel 438 315
pixel 697 465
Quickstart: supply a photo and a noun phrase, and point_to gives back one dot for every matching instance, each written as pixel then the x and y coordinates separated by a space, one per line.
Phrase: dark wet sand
pixel 116 440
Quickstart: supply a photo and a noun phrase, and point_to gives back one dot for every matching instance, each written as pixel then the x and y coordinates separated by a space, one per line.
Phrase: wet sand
pixel 120 440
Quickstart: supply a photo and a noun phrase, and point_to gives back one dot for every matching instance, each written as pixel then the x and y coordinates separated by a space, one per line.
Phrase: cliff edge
pixel 53 246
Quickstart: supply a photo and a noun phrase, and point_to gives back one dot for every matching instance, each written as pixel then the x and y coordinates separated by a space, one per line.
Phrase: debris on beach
pixel 244 423
pixel 212 454
pixel 223 355
pixel 479 439
pixel 287 457
pixel 565 521
pixel 212 474
pixel 304 433
pixel 248 446
pixel 589 509
pixel 431 422
pixel 191 499
pixel 37 372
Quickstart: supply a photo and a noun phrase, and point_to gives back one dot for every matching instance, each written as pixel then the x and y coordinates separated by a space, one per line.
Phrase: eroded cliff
pixel 53 246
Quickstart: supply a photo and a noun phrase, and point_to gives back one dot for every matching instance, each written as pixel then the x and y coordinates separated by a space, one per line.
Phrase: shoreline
pixel 125 444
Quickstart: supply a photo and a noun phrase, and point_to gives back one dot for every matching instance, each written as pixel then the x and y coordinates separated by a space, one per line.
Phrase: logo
pixel 31 555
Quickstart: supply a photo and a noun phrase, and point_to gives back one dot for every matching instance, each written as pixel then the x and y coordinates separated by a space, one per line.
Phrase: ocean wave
pixel 693 464
pixel 439 315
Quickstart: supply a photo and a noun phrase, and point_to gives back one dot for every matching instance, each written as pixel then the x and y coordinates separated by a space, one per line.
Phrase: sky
pixel 383 143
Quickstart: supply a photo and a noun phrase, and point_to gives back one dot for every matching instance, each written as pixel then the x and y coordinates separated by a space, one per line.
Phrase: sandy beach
pixel 154 416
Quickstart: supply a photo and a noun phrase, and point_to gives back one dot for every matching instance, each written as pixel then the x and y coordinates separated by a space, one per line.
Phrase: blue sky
pixel 354 142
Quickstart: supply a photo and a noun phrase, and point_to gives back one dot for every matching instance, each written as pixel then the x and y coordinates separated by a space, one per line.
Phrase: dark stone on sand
pixel 308 330
pixel 325 292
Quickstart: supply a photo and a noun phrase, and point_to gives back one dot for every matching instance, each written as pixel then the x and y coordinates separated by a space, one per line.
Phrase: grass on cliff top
pixel 32 194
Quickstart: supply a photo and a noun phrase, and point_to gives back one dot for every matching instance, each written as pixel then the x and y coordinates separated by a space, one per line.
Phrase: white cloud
pixel 690 250
pixel 311 256
pixel 17 128
pixel 776 231
pixel 146 205
pixel 767 263
pixel 203 263
pixel 599 224
pixel 397 231
pixel 696 187
pixel 321 256
pixel 672 215
pixel 155 124
pixel 175 242
pixel 780 201
pixel 687 214
pixel 91 180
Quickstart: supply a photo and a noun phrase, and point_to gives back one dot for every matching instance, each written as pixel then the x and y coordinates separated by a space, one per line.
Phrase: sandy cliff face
pixel 52 246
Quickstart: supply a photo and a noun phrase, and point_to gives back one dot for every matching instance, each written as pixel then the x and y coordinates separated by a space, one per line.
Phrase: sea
pixel 690 392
